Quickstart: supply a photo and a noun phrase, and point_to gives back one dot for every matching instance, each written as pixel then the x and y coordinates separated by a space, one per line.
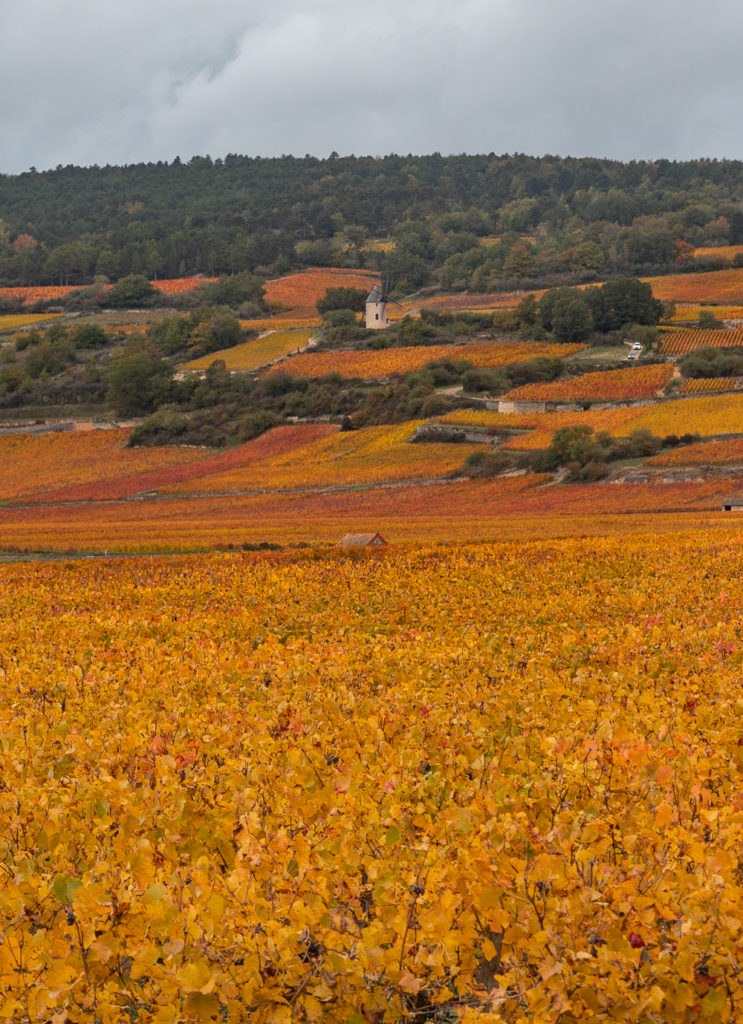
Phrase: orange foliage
pixel 303 290
pixel 634 382
pixel 258 352
pixel 47 293
pixel 463 302
pixel 33 467
pixel 542 425
pixel 109 471
pixel 687 313
pixel 285 321
pixel 14 321
pixel 700 385
pixel 384 362
pixel 679 343
pixel 30 295
pixel 526 506
pixel 342 459
pixel 709 286
pixel 707 453
pixel 707 415
pixel 176 285
pixel 726 253
pixel 477 783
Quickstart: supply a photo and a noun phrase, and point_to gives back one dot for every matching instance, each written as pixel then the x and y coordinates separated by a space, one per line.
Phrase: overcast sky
pixel 123 81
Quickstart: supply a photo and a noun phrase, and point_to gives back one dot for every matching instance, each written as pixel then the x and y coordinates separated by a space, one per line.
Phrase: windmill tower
pixel 376 306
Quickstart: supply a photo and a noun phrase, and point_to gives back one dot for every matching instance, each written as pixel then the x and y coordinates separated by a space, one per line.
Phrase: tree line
pixel 478 222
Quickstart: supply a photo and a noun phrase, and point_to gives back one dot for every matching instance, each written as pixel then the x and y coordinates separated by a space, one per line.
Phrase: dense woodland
pixel 547 220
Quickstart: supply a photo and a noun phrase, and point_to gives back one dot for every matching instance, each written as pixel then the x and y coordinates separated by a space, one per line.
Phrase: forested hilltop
pixel 479 222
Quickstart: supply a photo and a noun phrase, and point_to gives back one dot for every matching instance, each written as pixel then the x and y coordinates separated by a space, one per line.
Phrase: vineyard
pixel 708 453
pixel 284 320
pixel 16 321
pixel 470 302
pixel 529 506
pixel 542 425
pixel 176 285
pixel 252 355
pixel 34 466
pixel 29 295
pixel 721 252
pixel 302 291
pixel 369 455
pixel 689 313
pixel 714 286
pixel 634 382
pixel 324 788
pixel 384 362
pixel 706 415
pixel 47 293
pixel 679 343
pixel 700 385
pixel 96 466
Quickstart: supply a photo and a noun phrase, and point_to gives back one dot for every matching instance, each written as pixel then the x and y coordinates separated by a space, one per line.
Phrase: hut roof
pixel 361 540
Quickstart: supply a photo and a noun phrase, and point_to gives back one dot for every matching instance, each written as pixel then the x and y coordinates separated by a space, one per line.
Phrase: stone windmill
pixel 376 305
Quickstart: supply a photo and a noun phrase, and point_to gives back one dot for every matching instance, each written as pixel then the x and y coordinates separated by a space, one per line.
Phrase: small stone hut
pixel 361 540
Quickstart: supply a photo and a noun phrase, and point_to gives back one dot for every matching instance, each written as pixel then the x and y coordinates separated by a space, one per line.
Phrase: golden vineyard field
pixel 715 286
pixel 633 382
pixel 681 342
pixel 35 465
pixel 15 321
pixel 94 474
pixel 369 455
pixel 303 290
pixel 715 453
pixel 284 321
pixel 252 355
pixel 46 293
pixel 699 385
pixel 706 414
pixel 520 507
pixel 383 362
pixel 721 252
pixel 689 313
pixel 97 465
pixel 416 786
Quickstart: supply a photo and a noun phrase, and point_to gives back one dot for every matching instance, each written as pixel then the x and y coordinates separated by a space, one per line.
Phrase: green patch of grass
pixel 601 354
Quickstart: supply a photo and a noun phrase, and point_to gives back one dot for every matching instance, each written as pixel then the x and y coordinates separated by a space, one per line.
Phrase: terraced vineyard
pixel 369 455
pixel 634 382
pixel 258 352
pixel 700 385
pixel 384 362
pixel 710 453
pixel 15 321
pixel 715 287
pixel 303 290
pixel 679 343
pixel 31 294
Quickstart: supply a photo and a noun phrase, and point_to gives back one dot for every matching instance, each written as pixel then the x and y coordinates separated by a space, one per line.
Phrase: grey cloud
pixel 125 82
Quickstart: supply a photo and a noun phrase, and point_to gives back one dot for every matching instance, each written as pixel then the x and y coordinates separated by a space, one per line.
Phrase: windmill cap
pixel 374 295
